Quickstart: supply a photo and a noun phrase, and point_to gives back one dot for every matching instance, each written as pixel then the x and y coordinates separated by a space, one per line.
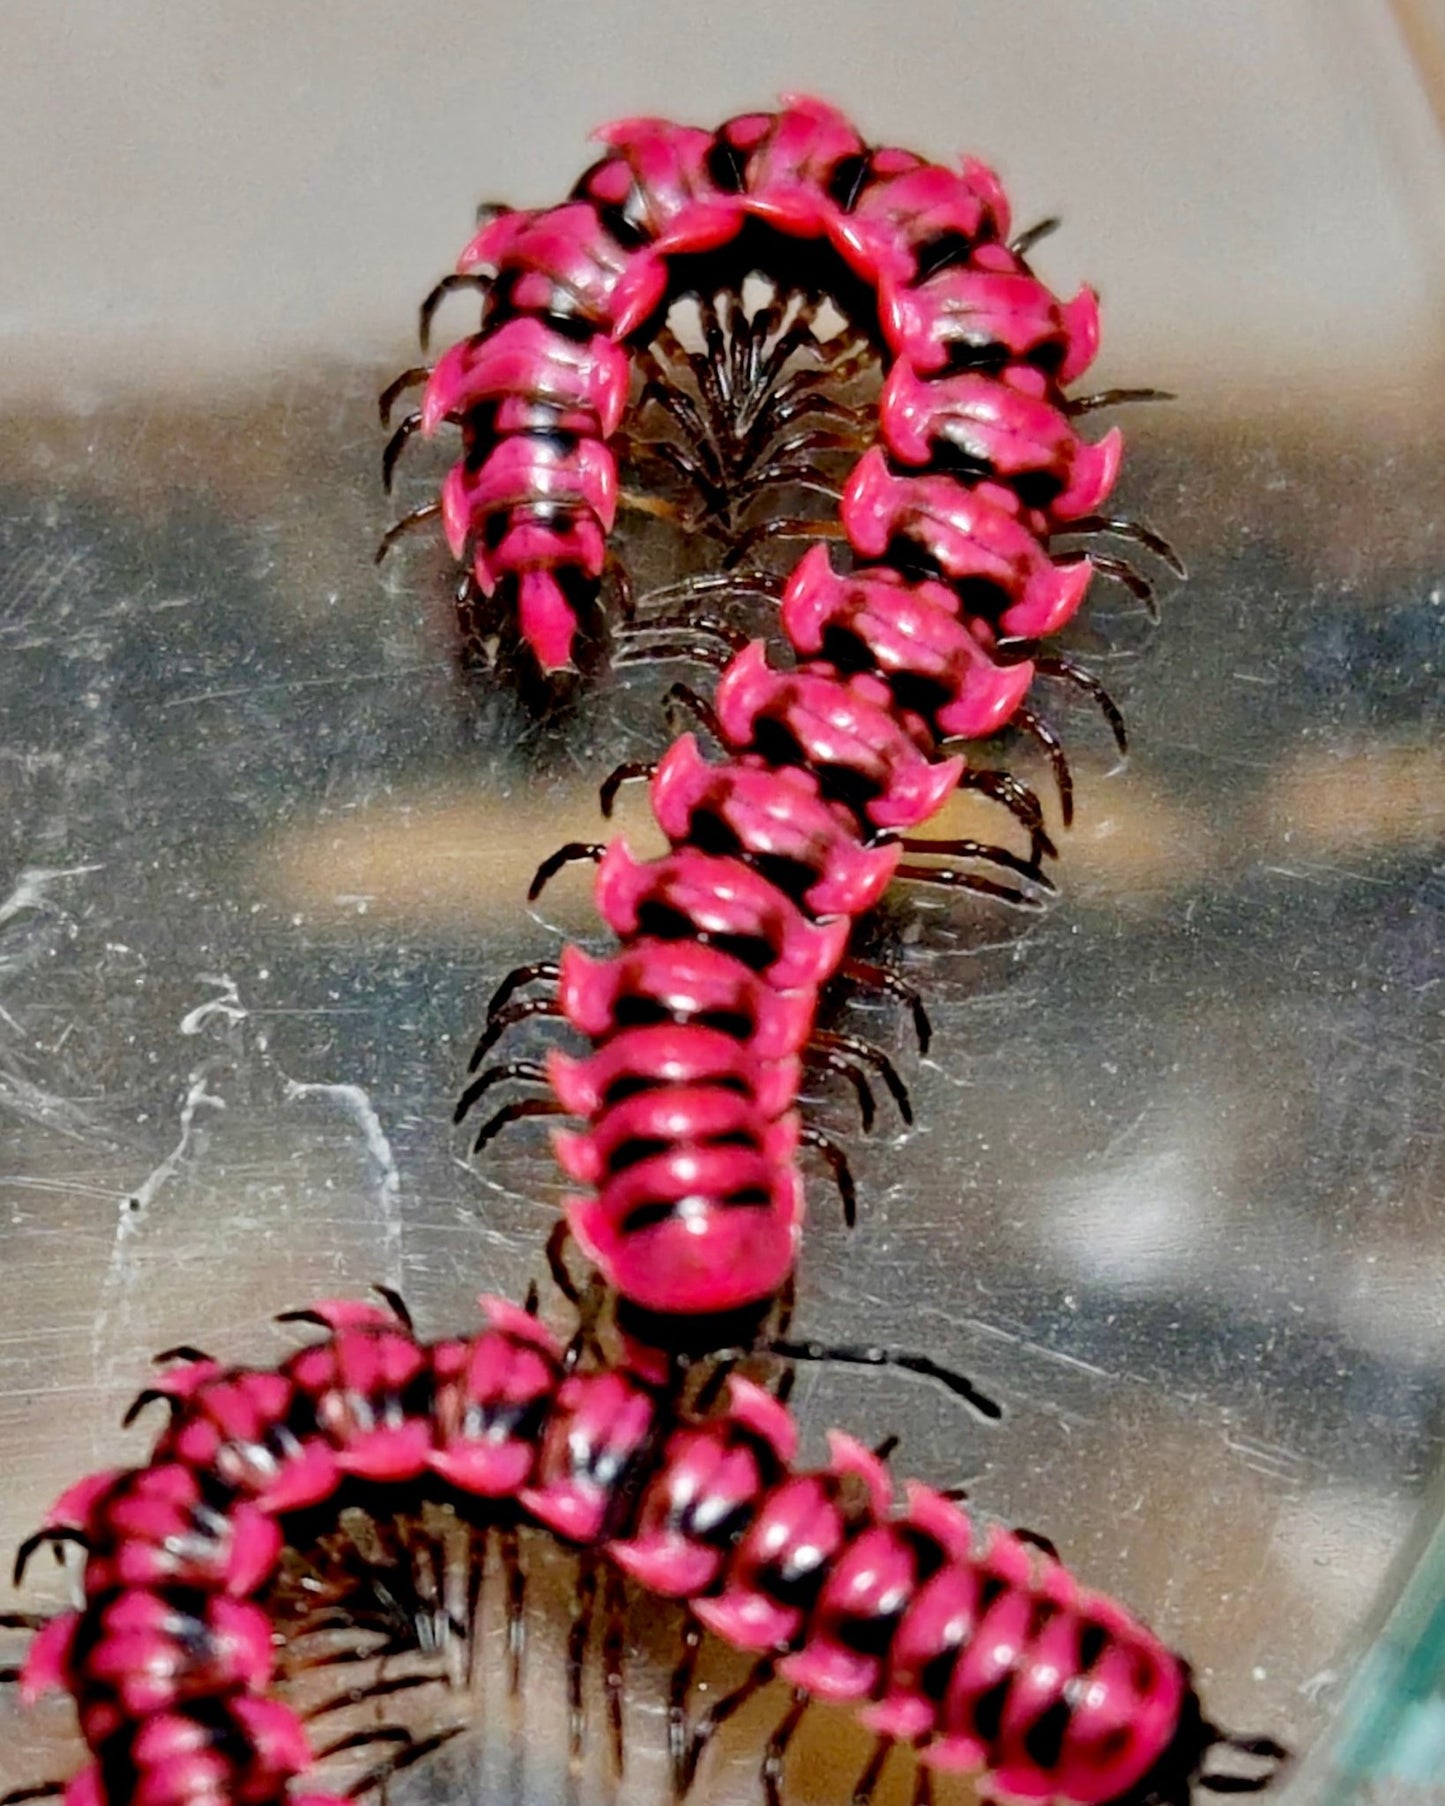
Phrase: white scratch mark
pixel 32 884
pixel 358 1105
pixel 132 1210
pixel 24 947
pixel 227 1006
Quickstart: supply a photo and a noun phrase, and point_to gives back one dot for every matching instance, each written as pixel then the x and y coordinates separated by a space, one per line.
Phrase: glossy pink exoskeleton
pixel 974 1645
pixel 829 764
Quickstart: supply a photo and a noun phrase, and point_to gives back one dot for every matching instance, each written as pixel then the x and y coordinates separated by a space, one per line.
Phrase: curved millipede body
pixel 913 626
pixel 972 1644
pixel 974 348
pixel 922 634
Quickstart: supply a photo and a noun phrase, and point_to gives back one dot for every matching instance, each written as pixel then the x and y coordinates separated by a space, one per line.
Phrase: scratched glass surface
pixel 1173 1192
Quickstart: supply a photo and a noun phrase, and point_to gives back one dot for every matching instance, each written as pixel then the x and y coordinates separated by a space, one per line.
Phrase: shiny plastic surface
pixel 1174 1193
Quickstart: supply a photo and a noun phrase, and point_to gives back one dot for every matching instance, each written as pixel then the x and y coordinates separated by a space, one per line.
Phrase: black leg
pixel 574 852
pixel 810 382
pixel 1068 672
pixel 790 527
pixel 721 1371
pixel 954 879
pixel 1265 1749
pixel 870 977
pixel 803 444
pixel 517 1111
pixel 1021 802
pixel 557 1262
pixel 448 285
pixel 867 1782
pixel 978 849
pixel 1124 528
pixel 771 1772
pixel 718 1714
pixel 183 1351
pixel 678 1687
pixel 1025 242
pixel 787 1307
pixel 614 1661
pixel 540 970
pixel 696 649
pixel 624 774
pixel 855 1048
pixel 532 1071
pixel 710 380
pixel 507 1018
pixel 397 1305
pixel 923 1365
pixel 838 1164
pixel 515 1579
pixel 797 475
pixel 922 1786
pixel 1137 584
pixel 405 1758
pixel 733 638
pixel 590 1306
pixel 55 1537
pixel 825 1057
pixel 722 584
pixel 823 411
pixel 584 1600
pixel 661 391
pixel 682 696
pixel 363 1739
pixel 625 597
pixel 357 1696
pixel 1113 398
pixel 396 445
pixel 150 1395
pixel 409 379
pixel 418 517
pixel 712 494
pixel 478 1553
pixel 1039 730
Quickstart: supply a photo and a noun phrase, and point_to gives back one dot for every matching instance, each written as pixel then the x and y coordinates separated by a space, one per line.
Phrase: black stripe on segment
pixel 945 252
pixel 848 179
pixel 1093 1641
pixel 988 1710
pixel 1044 1739
pixel 662 1210
pixel 727 166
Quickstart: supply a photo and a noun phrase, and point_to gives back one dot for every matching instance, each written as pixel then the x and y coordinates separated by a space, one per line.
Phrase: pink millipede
pixel 926 641
pixel 974 1645
pixel 978 457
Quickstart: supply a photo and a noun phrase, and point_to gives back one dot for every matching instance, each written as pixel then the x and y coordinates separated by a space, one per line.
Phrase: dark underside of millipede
pixel 444 1650
pixel 754 393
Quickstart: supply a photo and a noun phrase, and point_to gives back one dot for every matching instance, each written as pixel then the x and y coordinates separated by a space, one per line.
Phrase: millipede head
pixel 1188 1762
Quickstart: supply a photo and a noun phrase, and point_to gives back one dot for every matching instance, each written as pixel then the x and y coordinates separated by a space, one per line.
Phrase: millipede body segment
pixel 973 1645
